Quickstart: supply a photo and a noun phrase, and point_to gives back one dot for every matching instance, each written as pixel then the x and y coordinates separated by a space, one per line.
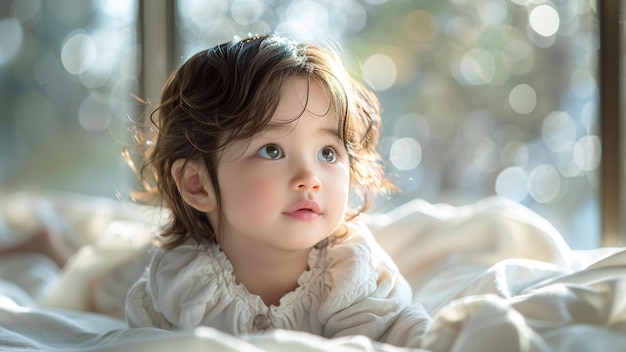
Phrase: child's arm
pixel 383 316
pixel 369 296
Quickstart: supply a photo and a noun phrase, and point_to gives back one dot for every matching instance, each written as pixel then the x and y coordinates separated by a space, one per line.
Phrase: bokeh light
pixel 479 98
pixel 544 183
pixel 11 39
pixel 380 71
pixel 246 12
pixel 93 115
pixel 478 67
pixel 523 99
pixel 405 154
pixel 544 20
pixel 559 131
pixel 492 12
pixel 583 84
pixel 512 183
pixel 514 153
pixel 60 63
pixel 587 152
pixel 78 53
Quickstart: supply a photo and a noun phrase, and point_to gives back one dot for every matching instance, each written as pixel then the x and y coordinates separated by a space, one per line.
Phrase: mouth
pixel 305 210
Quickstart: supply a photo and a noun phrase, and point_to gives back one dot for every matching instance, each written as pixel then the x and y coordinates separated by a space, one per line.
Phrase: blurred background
pixel 480 97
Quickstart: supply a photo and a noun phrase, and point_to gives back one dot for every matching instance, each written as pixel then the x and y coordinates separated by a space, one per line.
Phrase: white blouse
pixel 352 287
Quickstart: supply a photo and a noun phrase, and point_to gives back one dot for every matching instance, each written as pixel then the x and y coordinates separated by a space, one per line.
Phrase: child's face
pixel 286 189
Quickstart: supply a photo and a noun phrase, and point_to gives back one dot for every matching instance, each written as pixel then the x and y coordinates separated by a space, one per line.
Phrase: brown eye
pixel 327 155
pixel 271 152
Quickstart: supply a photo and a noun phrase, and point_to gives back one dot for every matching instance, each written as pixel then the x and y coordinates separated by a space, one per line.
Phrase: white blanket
pixel 494 275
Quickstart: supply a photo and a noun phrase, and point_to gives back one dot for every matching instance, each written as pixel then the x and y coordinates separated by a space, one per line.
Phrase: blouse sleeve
pixel 368 296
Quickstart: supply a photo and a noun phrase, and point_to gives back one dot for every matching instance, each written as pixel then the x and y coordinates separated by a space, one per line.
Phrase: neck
pixel 269 275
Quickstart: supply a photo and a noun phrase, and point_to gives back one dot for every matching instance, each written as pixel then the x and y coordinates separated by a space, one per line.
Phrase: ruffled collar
pixel 317 262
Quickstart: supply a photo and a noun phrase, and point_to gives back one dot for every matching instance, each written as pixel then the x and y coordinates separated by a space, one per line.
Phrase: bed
pixel 494 275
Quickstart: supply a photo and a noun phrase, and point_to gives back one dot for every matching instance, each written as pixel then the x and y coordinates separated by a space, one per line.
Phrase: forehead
pixel 304 106
pixel 301 95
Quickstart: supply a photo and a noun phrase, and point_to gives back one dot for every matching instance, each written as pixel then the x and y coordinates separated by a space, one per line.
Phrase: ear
pixel 194 185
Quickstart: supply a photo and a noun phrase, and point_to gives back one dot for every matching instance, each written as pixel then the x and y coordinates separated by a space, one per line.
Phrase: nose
pixel 306 179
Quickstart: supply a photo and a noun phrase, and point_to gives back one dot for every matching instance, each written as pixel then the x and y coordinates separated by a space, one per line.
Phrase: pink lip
pixel 306 210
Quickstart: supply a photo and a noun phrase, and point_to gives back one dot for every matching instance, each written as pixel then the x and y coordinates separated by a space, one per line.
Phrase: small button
pixel 262 322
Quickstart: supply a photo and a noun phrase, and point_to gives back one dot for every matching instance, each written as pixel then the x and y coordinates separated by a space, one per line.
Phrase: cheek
pixel 338 187
pixel 252 200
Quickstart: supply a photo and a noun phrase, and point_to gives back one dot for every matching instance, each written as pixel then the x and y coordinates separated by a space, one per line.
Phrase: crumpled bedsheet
pixel 494 275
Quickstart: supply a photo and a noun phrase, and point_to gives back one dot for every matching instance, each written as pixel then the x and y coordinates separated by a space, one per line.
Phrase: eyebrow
pixel 271 127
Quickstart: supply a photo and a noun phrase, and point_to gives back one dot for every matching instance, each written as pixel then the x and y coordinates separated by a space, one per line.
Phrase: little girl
pixel 263 146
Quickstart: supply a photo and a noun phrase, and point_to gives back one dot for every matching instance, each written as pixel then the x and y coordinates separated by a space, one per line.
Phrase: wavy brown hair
pixel 228 93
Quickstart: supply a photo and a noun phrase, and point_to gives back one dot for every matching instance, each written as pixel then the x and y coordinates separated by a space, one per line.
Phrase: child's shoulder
pixel 358 249
pixel 358 267
pixel 358 237
pixel 188 256
pixel 182 282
